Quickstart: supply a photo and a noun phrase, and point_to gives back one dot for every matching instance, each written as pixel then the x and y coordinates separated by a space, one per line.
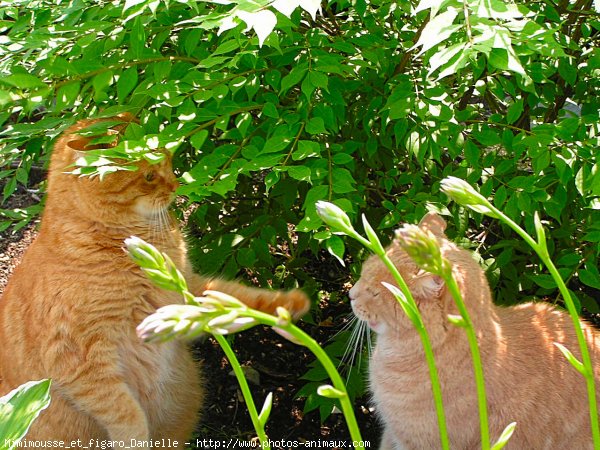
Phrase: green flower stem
pixel 541 250
pixel 420 327
pixel 239 374
pixel 475 355
pixel 464 194
pixel 317 350
pixel 339 221
pixel 161 270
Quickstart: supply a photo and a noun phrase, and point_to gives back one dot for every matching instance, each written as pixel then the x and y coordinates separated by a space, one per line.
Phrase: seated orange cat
pixel 71 308
pixel 527 378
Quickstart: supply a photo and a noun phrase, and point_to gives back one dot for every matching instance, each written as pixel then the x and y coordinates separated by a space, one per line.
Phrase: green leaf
pixel 567 70
pixel 102 81
pixel 569 260
pixel 311 220
pixel 197 140
pixel 307 87
pixel 126 83
pixel 265 412
pixel 496 9
pixel 590 277
pixel 22 175
pixel 20 407
pixel 276 144
pixel 317 373
pixel 9 188
pixel 500 197
pixel 445 55
pixel 226 47
pixel 316 125
pixel 571 358
pixel 295 76
pixel 432 5
pixel 342 158
pixel 514 111
pixel 66 95
pixel 306 149
pixel 270 110
pixel 592 236
pixel 408 307
pixel 580 180
pixel 459 61
pixel 22 81
pixel 192 39
pixel 246 257
pixel 343 182
pixel 472 153
pixel 543 280
pixel 329 391
pixel 319 80
pixel 271 179
pixel 335 246
pixel 137 38
pixel 300 173
pixel 505 436
pixel 438 29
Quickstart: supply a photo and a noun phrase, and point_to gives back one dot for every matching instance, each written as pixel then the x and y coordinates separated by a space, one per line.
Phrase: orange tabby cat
pixel 527 378
pixel 71 308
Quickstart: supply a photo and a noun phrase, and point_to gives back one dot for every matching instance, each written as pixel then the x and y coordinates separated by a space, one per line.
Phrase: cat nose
pixel 174 185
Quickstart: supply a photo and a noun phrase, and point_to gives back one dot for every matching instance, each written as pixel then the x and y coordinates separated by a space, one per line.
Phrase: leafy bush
pixel 365 104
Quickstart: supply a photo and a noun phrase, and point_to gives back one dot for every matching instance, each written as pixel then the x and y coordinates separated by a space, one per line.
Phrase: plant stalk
pixel 239 374
pixel 427 348
pixel 476 356
pixel 317 350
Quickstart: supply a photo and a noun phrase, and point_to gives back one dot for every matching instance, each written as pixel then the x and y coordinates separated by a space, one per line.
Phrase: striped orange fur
pixel 70 310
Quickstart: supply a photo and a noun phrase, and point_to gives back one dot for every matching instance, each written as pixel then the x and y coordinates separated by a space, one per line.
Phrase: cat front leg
pixel 265 300
pixel 97 390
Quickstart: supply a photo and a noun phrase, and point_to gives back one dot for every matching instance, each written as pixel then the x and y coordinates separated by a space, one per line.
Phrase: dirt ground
pixel 272 364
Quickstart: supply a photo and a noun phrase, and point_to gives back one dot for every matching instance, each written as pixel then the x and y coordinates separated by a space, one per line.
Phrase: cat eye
pixel 150 175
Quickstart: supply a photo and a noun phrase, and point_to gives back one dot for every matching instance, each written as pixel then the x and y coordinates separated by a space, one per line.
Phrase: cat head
pixel 120 197
pixel 375 304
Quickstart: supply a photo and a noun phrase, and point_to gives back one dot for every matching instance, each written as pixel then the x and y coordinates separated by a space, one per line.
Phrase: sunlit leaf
pixel 19 409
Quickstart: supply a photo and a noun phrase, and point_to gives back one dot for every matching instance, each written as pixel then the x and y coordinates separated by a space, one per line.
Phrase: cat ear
pixel 127 117
pixel 79 143
pixel 434 223
pixel 427 286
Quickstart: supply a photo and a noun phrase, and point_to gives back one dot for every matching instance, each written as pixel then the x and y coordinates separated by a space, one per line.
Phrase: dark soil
pixel 275 365
pixel 272 364
pixel 14 244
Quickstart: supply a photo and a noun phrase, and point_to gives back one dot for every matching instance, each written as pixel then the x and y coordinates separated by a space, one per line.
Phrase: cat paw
pixel 296 302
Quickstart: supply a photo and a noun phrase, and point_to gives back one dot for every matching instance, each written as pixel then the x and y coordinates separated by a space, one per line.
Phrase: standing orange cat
pixel 527 378
pixel 70 310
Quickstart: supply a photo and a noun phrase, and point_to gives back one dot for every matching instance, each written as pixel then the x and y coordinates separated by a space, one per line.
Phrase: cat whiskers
pixel 348 321
pixel 160 222
pixel 360 337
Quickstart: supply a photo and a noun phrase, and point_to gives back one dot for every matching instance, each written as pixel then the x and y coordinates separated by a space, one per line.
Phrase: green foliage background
pixel 270 106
